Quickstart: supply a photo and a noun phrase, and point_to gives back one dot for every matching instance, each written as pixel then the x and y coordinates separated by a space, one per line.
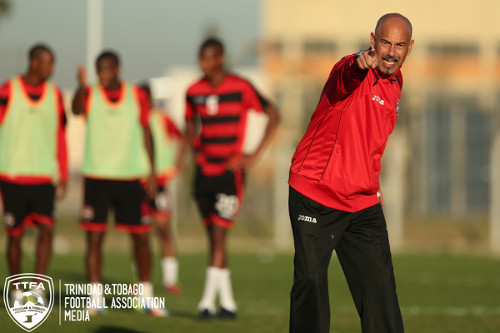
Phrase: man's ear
pixel 372 41
pixel 410 47
pixel 222 59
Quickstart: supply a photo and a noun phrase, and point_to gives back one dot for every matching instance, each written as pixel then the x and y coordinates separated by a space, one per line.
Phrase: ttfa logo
pixel 29 299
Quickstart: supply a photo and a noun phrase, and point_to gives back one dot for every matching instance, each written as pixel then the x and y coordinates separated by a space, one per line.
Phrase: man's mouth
pixel 390 61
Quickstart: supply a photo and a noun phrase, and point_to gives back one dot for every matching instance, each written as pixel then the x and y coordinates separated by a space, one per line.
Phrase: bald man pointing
pixel 335 201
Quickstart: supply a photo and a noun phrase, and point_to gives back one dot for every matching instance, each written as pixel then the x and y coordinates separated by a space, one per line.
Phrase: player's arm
pixel 4 99
pixel 175 133
pixel 273 120
pixel 257 101
pixel 151 186
pixel 348 74
pixel 62 151
pixel 190 136
pixel 78 104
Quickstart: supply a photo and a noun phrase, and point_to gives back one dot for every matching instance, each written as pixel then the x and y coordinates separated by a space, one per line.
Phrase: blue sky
pixel 150 35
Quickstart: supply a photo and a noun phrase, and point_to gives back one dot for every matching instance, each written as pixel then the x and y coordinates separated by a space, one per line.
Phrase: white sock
pixel 210 290
pixel 170 269
pixel 226 290
pixel 147 288
pixel 96 298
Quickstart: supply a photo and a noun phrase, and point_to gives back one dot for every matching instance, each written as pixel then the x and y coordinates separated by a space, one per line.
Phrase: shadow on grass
pixel 114 329
pixel 184 314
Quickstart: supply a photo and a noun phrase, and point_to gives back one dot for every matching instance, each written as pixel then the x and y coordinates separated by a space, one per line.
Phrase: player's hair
pixel 108 54
pixel 212 42
pixel 37 49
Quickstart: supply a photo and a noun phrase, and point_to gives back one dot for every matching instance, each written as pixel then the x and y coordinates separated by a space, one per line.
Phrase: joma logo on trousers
pixel 307 219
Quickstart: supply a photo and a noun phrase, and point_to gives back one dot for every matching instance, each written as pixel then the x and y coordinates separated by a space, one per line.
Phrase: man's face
pixel 211 60
pixel 392 43
pixel 107 71
pixel 43 65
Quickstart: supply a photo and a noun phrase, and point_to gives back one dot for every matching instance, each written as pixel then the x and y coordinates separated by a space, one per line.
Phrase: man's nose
pixel 392 50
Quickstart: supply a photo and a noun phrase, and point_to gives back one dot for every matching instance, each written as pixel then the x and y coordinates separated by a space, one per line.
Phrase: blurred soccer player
pixel 169 147
pixel 32 151
pixel 117 136
pixel 334 201
pixel 221 101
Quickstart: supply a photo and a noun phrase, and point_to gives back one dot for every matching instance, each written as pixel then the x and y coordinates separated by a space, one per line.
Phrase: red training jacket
pixel 337 162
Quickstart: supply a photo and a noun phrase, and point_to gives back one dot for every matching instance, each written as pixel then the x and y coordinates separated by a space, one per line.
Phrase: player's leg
pixel 142 255
pixel 162 212
pixel 218 206
pixel 205 199
pixel 15 199
pixel 218 255
pixel 365 256
pixel 128 197
pixel 14 254
pixel 228 198
pixel 93 218
pixel 163 229
pixel 44 248
pixel 93 264
pixel 43 211
pixel 93 258
pixel 219 262
pixel 316 231
pixel 128 200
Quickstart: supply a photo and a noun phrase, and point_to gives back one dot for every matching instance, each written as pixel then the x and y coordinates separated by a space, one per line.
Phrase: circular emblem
pixel 212 104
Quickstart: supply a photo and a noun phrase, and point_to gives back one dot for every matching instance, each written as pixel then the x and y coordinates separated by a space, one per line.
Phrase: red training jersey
pixel 223 113
pixel 35 93
pixel 170 128
pixel 337 162
pixel 175 135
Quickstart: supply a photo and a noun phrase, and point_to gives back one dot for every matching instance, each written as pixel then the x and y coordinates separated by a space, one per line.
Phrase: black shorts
pixel 124 197
pixel 160 208
pixel 219 197
pixel 25 205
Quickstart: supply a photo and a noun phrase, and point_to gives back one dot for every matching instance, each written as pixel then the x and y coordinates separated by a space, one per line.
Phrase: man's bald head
pixel 393 17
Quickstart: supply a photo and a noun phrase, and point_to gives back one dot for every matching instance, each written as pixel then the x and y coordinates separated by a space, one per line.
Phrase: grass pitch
pixel 438 294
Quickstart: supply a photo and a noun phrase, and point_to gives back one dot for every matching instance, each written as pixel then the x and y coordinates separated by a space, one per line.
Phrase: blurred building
pixel 447 117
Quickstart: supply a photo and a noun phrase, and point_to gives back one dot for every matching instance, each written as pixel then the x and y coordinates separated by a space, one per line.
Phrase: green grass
pixel 438 294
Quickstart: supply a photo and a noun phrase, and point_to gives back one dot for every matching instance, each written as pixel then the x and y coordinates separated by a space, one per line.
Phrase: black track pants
pixel 362 245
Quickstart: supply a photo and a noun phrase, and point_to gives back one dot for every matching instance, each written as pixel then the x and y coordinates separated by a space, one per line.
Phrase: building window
pixel 457 136
pixel 453 49
pixel 319 46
